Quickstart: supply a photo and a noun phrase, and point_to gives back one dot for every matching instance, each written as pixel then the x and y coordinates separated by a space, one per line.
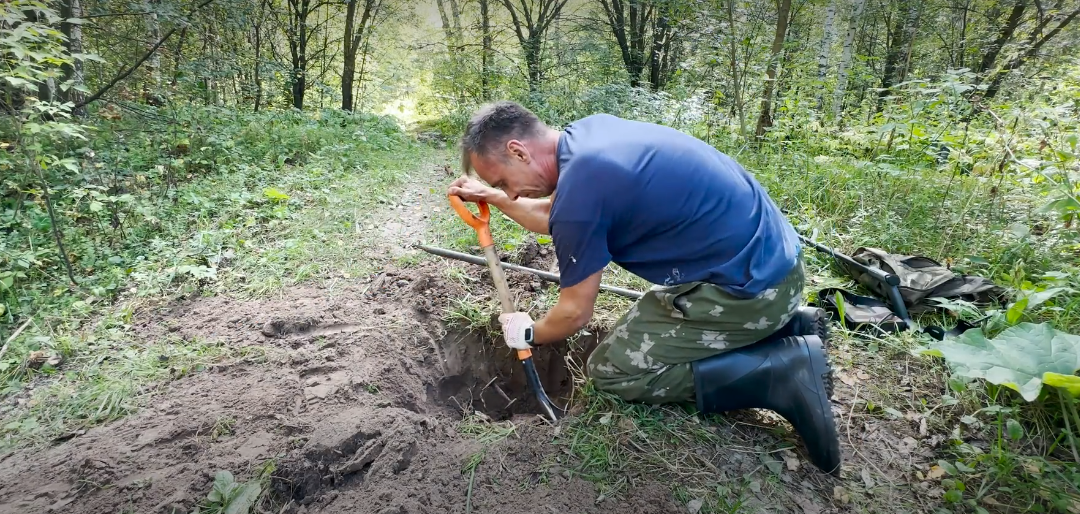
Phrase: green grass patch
pixel 107 379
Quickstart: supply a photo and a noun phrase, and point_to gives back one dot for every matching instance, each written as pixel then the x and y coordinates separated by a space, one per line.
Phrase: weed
pixel 223 426
pixel 470 314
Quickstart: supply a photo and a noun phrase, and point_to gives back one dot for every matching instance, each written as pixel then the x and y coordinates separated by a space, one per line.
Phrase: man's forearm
pixel 530 213
pixel 560 323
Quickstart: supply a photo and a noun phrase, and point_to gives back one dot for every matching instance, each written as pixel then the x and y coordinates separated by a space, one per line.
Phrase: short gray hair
pixel 492 125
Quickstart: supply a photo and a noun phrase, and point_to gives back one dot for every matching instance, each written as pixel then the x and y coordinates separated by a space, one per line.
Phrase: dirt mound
pixel 356 405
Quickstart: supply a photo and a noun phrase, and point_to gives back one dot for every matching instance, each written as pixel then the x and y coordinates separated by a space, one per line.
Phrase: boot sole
pixel 819 361
pixel 821 330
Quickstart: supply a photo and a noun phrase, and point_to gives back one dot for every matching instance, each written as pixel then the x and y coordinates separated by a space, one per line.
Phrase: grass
pixel 107 379
pixel 257 224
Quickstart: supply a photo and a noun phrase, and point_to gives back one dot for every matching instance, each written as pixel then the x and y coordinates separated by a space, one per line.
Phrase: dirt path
pixel 366 402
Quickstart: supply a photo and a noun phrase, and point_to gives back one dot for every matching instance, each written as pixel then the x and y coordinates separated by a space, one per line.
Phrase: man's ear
pixel 518 150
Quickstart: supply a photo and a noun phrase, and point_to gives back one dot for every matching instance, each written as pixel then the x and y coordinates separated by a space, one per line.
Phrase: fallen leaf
pixel 1032 468
pixel 792 462
pixel 808 506
pixel 862 375
pixel 867 480
pixel 922 427
pixel 772 463
pixel 907 445
pixel 840 495
pixel 694 506
pixel 845 378
pixel 936 472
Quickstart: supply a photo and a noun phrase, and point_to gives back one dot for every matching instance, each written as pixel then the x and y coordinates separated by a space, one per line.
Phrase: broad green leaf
pixel 1014 429
pixel 3 309
pixel 1017 310
pixel 1022 358
pixel 245 499
pixel 6 282
pixel 1039 297
pixel 274 194
pixel 948 467
pixel 95 206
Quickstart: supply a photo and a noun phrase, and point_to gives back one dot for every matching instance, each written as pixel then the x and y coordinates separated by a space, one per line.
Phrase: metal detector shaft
pixel 551 277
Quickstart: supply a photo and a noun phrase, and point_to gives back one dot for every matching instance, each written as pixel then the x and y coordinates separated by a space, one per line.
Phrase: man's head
pixel 511 149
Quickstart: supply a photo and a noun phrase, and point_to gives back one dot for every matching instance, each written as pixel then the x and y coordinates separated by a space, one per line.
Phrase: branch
pixel 124 74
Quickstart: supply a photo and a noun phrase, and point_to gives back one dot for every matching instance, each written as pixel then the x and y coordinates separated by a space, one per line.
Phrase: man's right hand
pixel 472 190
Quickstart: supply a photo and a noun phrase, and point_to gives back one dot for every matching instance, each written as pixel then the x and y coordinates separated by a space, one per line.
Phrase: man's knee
pixel 599 365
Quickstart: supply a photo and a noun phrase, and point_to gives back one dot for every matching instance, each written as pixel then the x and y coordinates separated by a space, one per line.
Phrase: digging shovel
pixel 483 233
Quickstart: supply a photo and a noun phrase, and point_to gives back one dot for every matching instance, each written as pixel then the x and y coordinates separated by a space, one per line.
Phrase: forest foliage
pixel 135 134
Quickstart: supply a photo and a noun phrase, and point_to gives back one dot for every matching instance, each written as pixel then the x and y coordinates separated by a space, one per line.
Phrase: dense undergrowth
pixel 156 206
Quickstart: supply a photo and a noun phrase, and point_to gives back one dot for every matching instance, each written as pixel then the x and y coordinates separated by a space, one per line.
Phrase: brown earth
pixel 357 407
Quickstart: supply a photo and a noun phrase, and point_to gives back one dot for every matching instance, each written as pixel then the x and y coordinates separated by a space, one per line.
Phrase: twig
pixel 14 335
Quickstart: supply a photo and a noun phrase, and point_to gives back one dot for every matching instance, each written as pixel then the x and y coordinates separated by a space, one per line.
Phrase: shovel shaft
pixel 505 301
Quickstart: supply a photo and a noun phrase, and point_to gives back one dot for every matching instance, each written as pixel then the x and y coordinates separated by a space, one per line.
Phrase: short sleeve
pixel 581 247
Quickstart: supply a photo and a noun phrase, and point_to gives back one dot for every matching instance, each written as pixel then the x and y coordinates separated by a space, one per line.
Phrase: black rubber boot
pixel 808 321
pixel 788 375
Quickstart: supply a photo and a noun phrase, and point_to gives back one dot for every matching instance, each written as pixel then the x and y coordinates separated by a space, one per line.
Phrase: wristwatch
pixel 529 336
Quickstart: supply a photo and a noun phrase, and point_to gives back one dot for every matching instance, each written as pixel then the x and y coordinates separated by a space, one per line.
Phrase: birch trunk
pixel 845 59
pixel 823 53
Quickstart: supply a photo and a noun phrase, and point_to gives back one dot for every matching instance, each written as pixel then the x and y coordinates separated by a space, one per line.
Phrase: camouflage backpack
pixel 922 278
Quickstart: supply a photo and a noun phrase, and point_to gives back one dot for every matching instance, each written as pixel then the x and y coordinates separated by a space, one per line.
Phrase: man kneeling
pixel 722 326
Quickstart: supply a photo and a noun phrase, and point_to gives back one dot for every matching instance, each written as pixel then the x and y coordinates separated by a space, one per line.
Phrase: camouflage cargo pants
pixel 647 356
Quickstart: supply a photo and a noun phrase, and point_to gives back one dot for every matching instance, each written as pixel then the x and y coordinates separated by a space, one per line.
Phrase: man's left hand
pixel 517 330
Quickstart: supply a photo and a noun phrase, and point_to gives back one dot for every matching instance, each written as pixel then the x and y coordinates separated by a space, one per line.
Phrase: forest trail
pixel 351 395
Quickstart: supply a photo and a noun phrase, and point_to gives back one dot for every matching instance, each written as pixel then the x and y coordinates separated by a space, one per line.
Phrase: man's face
pixel 514 170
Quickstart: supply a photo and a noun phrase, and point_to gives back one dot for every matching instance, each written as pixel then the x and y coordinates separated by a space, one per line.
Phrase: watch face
pixel 528 335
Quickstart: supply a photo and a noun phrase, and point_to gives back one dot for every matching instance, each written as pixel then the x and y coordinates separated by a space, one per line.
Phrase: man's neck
pixel 548 156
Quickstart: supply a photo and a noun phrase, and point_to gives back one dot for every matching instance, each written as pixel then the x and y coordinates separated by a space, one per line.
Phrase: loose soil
pixel 357 407
pixel 358 404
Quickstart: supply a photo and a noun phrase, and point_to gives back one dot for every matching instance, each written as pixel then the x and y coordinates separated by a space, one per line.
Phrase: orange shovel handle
pixel 479 223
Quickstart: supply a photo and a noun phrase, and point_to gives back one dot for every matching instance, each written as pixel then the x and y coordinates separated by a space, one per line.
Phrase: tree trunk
pixel 901 38
pixel 354 35
pixel 845 59
pixel 299 10
pixel 736 77
pixel 153 28
pixel 1033 46
pixel 823 53
pixel 73 74
pixel 531 22
pixel 349 54
pixel 1004 36
pixel 258 55
pixel 486 51
pixel 765 120
pixel 176 56
pixel 660 59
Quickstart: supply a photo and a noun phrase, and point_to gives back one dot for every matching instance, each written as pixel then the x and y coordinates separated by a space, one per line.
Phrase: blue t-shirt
pixel 665 206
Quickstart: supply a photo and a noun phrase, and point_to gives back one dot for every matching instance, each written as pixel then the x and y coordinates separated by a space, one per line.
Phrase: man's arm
pixel 532 214
pixel 571 312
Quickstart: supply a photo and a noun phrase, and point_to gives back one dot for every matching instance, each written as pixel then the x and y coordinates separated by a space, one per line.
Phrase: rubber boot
pixel 788 375
pixel 807 321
